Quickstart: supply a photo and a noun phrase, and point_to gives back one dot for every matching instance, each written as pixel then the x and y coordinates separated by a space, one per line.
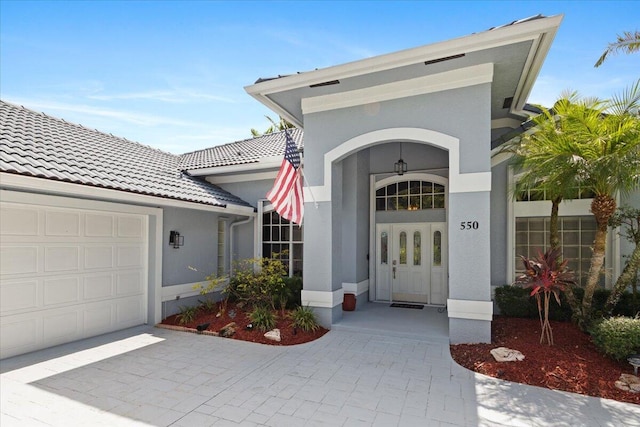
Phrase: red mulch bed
pixel 572 364
pixel 241 318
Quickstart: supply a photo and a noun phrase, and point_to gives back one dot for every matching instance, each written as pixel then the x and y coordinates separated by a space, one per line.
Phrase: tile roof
pixel 240 152
pixel 35 144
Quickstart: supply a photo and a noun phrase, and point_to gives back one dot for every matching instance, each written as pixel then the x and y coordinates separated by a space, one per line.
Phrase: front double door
pixel 411 263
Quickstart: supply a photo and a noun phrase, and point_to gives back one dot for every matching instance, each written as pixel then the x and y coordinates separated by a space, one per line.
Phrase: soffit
pixel 517 51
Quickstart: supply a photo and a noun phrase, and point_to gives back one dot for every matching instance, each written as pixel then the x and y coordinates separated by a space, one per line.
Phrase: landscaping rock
pixel 273 335
pixel 628 382
pixel 228 330
pixel 503 354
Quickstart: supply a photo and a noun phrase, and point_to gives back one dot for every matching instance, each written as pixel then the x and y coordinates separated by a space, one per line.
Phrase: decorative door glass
pixel 417 246
pixel 403 247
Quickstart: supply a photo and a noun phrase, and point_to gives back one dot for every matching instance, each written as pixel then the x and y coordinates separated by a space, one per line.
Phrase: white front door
pixel 410 263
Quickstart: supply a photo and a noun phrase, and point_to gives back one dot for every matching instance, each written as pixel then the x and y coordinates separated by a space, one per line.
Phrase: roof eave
pixel 541 31
pixel 19 182
pixel 266 163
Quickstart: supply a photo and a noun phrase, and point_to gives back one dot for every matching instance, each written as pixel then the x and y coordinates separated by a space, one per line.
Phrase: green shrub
pixel 628 305
pixel 294 284
pixel 263 318
pixel 514 301
pixel 304 318
pixel 258 282
pixel 187 315
pixel 617 337
pixel 209 305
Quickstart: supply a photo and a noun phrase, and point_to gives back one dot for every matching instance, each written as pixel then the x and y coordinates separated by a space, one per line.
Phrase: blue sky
pixel 172 74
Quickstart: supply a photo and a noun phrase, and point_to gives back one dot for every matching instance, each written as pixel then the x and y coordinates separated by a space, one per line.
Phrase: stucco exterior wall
pixel 499 224
pixel 198 257
pixel 461 113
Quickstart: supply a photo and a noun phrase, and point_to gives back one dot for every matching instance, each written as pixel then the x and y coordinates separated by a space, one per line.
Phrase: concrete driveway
pixel 350 377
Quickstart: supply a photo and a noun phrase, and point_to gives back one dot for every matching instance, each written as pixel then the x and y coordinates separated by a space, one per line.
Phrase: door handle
pixel 394 272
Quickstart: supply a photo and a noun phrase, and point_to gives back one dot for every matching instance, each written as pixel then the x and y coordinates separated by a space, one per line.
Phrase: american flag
pixel 286 194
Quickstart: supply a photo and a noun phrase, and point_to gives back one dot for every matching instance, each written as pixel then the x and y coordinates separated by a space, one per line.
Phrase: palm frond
pixel 628 42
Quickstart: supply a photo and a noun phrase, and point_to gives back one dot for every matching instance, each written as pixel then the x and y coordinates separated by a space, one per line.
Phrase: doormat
pixel 395 304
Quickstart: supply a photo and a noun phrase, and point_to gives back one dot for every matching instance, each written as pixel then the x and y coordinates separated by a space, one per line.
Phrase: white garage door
pixel 68 273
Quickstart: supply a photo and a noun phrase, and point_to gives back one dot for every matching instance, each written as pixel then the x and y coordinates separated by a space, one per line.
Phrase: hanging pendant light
pixel 400 167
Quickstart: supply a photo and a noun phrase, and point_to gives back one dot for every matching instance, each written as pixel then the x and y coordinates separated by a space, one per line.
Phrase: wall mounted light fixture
pixel 400 167
pixel 175 239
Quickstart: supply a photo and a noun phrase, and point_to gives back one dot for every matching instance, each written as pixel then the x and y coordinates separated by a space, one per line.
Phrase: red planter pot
pixel 349 302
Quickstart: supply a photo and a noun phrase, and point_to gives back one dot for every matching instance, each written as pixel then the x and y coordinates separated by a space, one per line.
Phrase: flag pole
pixel 304 177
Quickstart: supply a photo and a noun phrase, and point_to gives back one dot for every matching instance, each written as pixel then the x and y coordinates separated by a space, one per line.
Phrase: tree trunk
pixel 554 235
pixel 602 207
pixel 624 281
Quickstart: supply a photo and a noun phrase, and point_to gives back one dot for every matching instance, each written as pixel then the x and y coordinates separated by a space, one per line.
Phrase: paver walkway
pixel 349 377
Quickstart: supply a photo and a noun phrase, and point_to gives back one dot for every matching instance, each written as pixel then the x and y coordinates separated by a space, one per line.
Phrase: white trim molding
pixel 356 288
pixel 322 299
pixel 49 186
pixel 458 182
pixel 245 177
pixel 454 79
pixel 468 309
pixel 184 290
pixel 271 162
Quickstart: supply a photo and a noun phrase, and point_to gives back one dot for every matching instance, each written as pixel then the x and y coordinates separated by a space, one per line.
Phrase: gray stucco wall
pixel 250 191
pixel 419 157
pixel 198 257
pixel 499 224
pixel 355 217
pixel 463 113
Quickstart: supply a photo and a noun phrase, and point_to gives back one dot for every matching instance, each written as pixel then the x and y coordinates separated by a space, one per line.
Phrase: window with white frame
pixel 577 234
pixel 283 239
pixel 410 195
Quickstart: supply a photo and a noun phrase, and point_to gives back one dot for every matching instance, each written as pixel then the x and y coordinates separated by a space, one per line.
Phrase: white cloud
pixel 91 111
pixel 180 96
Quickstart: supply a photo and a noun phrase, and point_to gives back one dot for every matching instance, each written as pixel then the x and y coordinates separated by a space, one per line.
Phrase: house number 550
pixel 469 225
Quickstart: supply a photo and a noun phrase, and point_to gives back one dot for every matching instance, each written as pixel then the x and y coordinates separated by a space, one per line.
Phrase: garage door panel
pixel 129 256
pixel 18 296
pixel 98 257
pixel 99 225
pixel 98 286
pixel 61 258
pixel 18 260
pixel 19 222
pixel 61 325
pixel 62 223
pixel 63 290
pixel 128 312
pixel 18 336
pixel 69 273
pixel 130 226
pixel 96 316
pixel 129 283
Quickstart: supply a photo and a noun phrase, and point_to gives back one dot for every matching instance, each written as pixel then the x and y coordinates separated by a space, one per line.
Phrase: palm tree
pixel 608 155
pixel 544 160
pixel 588 144
pixel 275 127
pixel 628 42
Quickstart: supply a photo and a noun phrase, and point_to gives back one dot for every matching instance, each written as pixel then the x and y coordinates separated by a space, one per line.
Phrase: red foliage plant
pixel 545 275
